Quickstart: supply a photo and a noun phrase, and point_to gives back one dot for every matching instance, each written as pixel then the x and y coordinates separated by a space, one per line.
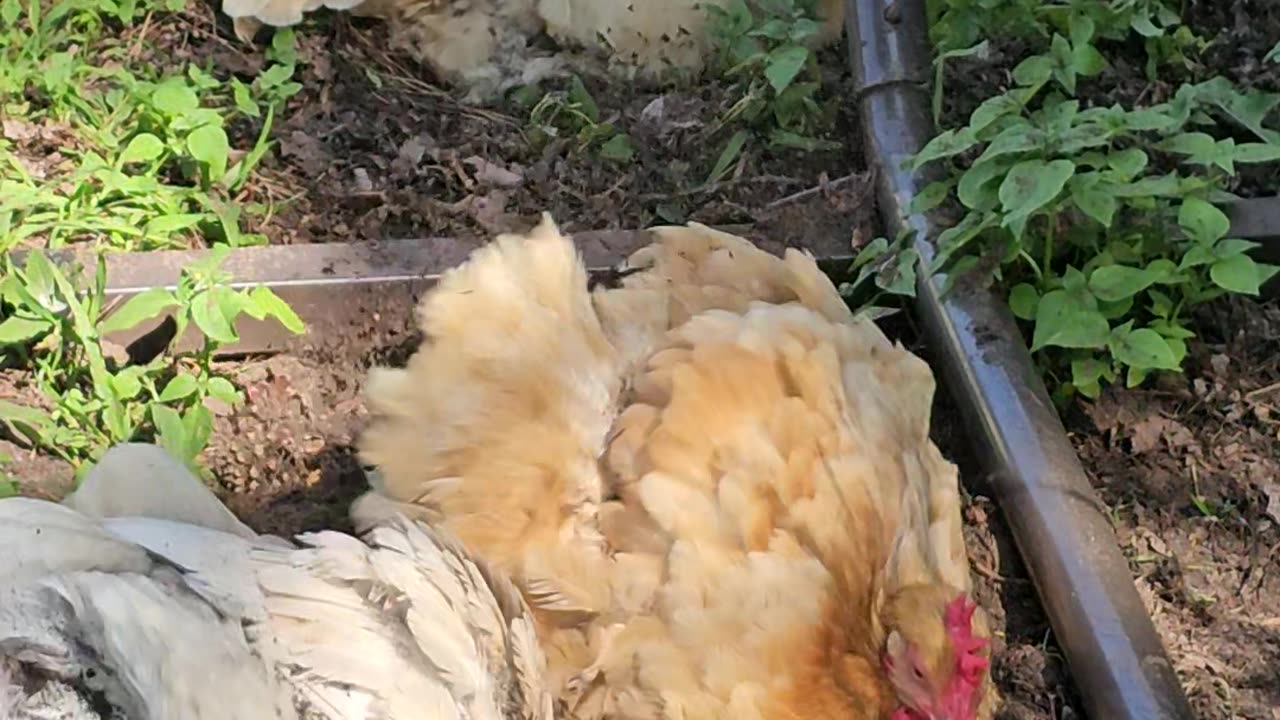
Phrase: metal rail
pixel 336 288
pixel 1060 526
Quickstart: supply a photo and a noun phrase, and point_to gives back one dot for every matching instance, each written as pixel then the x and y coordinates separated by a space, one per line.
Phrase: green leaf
pixel 900 277
pixel 42 281
pixel 1087 61
pixel 19 329
pixel 181 386
pixel 1141 24
pixel 1236 273
pixel 1080 27
pixel 1202 222
pixel 1112 283
pixel 1023 300
pixel 1128 163
pixel 993 109
pixel 1144 349
pixel 143 306
pixel 243 99
pixel 579 95
pixel 1233 246
pixel 1033 71
pixel 1095 199
pixel 1087 375
pixel 1032 184
pixel 269 303
pixel 127 383
pixel 198 426
pixel 1197 255
pixel 10 11
pixel 1256 153
pixel 1201 147
pixel 165 225
pixel 931 196
pixel 175 98
pixel 1162 186
pixel 222 389
pixel 784 65
pixel 1063 321
pixel 21 415
pixel 1147 119
pixel 974 189
pixel 208 316
pixel 872 250
pixel 618 149
pixel 775 29
pixel 116 419
pixel 728 155
pixel 144 147
pixel 209 145
pixel 1014 139
pixel 944 145
pixel 170 433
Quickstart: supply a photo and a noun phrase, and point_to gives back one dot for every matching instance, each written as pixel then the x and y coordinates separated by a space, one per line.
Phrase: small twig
pixel 823 187
pixel 1262 391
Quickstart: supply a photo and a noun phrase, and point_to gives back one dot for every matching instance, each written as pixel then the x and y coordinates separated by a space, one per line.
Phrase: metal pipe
pixel 1060 526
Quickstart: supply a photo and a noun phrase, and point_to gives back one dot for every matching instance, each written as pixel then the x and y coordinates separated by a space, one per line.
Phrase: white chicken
pixel 115 604
pixel 714 484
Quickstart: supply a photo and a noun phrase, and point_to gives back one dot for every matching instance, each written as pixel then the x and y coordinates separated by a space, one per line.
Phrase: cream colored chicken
pixel 142 597
pixel 483 45
pixel 714 484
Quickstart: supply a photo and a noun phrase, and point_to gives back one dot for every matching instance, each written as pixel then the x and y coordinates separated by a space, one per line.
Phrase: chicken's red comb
pixel 959 623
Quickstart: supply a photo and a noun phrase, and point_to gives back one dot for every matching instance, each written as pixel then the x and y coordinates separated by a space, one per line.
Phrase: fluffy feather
pixel 777 528
pixel 159 617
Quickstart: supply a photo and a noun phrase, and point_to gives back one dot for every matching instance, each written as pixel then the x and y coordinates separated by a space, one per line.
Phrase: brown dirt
pixel 1191 471
pixel 372 149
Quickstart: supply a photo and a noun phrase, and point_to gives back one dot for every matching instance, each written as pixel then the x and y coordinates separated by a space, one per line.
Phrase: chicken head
pixel 931 655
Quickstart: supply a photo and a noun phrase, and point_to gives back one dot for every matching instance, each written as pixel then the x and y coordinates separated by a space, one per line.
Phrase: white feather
pixel 177 620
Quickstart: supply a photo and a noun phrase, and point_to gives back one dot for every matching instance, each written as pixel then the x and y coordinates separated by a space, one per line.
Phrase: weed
pixel 762 48
pixel 1100 221
pixel 103 149
pixel 574 113
pixel 94 400
pixel 145 160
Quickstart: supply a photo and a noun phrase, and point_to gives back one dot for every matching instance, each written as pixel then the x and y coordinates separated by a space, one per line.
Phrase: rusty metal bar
pixel 1060 526
pixel 340 289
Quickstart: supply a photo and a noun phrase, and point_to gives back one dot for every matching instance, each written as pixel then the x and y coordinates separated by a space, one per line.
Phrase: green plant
pixel 957 24
pixel 763 49
pixel 575 113
pixel 147 161
pixel 93 399
pixel 1101 253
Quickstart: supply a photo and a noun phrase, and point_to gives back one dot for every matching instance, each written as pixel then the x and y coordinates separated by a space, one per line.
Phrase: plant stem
pixel 1048 242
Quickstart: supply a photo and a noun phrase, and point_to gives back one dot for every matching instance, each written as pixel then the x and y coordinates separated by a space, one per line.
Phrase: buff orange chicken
pixel 713 483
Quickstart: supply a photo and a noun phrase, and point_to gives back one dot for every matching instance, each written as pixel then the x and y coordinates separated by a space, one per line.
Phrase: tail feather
pixel 142 480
